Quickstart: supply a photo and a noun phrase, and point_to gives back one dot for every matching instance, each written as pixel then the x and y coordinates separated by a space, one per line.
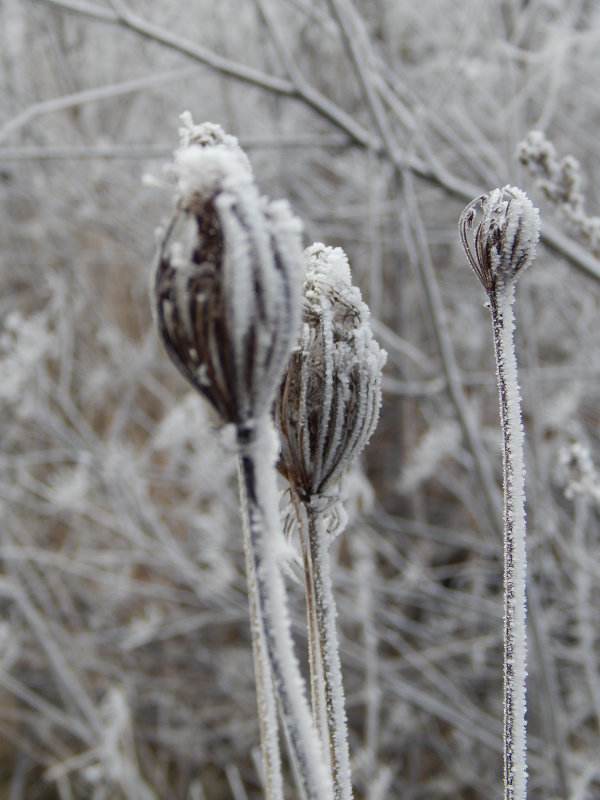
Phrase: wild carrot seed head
pixel 328 404
pixel 227 278
pixel 503 244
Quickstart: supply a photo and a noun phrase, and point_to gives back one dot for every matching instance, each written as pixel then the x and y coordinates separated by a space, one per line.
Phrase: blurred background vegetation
pixel 125 656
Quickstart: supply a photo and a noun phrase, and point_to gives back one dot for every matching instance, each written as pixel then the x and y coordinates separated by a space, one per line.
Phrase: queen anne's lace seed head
pixel 329 401
pixel 504 241
pixel 227 277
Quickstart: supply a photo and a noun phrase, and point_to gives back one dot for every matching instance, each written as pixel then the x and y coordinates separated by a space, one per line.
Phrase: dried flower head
pixel 505 240
pixel 328 404
pixel 227 277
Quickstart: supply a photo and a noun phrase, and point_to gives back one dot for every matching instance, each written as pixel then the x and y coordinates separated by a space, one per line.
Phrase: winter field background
pixel 125 655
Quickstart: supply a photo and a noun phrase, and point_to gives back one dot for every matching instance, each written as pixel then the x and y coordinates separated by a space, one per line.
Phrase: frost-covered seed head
pixel 504 241
pixel 226 285
pixel 329 401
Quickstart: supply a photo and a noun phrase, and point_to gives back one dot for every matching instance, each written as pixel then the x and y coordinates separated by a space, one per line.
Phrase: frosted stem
pixel 515 565
pixel 258 490
pixel 317 683
pixel 265 695
pixel 324 604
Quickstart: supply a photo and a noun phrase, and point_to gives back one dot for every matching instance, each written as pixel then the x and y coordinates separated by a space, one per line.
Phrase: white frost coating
pixel 332 669
pixel 331 396
pixel 260 497
pixel 327 355
pixel 502 246
pixel 510 211
pixel 209 134
pixel 282 286
pixel 515 548
pixel 246 253
pixel 504 242
pixel 261 271
pixel 326 411
pixel 262 249
pixel 200 171
pixel 238 277
pixel 265 690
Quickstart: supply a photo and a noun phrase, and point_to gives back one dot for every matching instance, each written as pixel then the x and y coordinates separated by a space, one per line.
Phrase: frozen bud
pixel 328 404
pixel 226 285
pixel 503 243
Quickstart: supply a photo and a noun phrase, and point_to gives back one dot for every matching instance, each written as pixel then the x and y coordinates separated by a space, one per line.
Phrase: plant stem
pixel 265 696
pixel 258 490
pixel 317 683
pixel 324 604
pixel 515 564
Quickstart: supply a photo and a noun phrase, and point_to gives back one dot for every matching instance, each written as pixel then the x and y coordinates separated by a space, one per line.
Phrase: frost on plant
pixel 208 134
pixel 226 277
pixel 226 295
pixel 501 247
pixel 329 401
pixel 504 241
pixel 326 410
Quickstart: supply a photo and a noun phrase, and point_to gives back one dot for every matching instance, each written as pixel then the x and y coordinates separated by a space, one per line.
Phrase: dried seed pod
pixel 505 240
pixel 226 278
pixel 328 404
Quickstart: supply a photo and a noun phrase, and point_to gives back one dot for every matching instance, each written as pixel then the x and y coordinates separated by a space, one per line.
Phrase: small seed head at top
pixel 503 244
pixel 226 281
pixel 328 404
